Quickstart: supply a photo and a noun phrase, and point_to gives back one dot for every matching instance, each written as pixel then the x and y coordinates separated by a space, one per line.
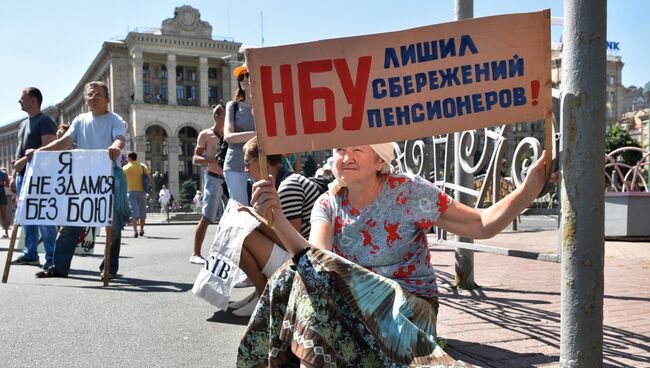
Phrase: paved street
pixel 150 318
pixel 147 318
pixel 513 320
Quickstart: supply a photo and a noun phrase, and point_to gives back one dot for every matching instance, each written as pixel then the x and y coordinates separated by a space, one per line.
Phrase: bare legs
pixel 5 219
pixel 199 235
pixel 254 255
pixel 134 222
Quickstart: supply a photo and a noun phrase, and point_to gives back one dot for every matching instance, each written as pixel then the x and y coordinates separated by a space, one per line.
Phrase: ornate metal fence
pixel 481 155
pixel 622 177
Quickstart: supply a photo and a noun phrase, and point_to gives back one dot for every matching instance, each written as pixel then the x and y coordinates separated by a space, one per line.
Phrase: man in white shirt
pixel 97 129
pixel 164 197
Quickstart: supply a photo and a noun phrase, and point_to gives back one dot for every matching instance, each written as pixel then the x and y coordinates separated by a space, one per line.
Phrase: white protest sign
pixel 67 188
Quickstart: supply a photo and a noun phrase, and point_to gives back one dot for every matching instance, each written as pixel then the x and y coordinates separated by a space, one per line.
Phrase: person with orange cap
pixel 239 127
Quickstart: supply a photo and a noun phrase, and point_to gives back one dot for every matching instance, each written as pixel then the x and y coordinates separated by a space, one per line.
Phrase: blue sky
pixel 51 44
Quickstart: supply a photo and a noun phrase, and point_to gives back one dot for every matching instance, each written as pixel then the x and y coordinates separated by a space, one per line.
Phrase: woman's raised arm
pixel 481 224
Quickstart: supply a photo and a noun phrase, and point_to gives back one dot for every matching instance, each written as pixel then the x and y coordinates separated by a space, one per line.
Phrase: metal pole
pixel 583 190
pixel 464 257
pixel 646 89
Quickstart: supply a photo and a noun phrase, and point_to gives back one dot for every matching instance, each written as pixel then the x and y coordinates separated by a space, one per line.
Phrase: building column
pixel 137 77
pixel 203 81
pixel 4 154
pixel 9 153
pixel 140 147
pixel 226 85
pixel 172 169
pixel 171 79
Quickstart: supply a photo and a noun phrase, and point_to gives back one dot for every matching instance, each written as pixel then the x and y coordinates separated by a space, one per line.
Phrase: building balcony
pixel 158 100
pixel 187 102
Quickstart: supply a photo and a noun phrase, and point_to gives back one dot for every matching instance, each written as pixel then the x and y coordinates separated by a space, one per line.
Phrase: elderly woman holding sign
pixel 362 292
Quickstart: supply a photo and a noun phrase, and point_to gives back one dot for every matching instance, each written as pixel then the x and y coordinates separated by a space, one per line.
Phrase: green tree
pixel 309 168
pixel 188 191
pixel 617 137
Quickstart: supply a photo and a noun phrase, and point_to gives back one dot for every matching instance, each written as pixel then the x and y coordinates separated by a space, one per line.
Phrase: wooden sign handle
pixel 107 255
pixel 548 142
pixel 10 253
pixel 264 173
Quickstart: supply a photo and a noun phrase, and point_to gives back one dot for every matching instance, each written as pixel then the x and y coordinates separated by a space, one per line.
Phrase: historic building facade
pixel 9 134
pixel 614 88
pixel 163 83
pixel 8 144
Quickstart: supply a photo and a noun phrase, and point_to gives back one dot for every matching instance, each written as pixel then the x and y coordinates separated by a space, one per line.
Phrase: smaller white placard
pixel 72 188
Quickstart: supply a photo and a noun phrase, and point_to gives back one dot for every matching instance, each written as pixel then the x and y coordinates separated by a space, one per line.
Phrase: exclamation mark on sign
pixel 534 86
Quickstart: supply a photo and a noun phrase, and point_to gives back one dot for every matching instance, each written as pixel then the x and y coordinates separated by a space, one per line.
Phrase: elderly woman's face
pixel 357 164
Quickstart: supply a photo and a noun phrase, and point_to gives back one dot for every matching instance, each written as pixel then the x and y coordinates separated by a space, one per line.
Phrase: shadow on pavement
pixel 537 292
pixel 98 246
pixel 143 236
pixel 98 255
pixel 227 317
pixel 526 317
pixel 129 284
pixel 536 230
pixel 489 356
pixel 159 237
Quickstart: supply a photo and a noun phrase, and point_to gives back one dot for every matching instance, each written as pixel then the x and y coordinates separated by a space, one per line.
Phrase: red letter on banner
pixel 285 97
pixel 309 94
pixel 354 94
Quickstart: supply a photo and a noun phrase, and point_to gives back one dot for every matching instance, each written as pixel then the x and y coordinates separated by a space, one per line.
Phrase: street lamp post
pixel 646 89
pixel 464 266
pixel 647 132
pixel 156 177
pixel 582 120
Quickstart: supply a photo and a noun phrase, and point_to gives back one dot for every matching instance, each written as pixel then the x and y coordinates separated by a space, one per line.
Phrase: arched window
pixel 156 149
pixel 187 141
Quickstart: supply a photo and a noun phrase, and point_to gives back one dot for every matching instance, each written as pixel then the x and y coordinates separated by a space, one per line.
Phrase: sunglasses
pixel 242 76
pixel 247 164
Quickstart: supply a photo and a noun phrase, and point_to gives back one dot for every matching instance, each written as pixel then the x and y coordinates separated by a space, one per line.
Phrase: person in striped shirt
pixel 262 252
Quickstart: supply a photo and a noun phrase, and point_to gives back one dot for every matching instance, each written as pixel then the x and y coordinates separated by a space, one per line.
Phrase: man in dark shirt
pixel 36 131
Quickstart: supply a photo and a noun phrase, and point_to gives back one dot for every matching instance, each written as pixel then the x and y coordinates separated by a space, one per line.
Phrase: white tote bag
pixel 217 276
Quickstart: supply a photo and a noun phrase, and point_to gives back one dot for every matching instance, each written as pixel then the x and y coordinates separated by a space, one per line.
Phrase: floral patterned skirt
pixel 331 312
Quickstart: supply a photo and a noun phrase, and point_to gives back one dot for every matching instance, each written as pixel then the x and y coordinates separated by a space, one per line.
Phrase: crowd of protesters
pixel 226 172
pixel 364 233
